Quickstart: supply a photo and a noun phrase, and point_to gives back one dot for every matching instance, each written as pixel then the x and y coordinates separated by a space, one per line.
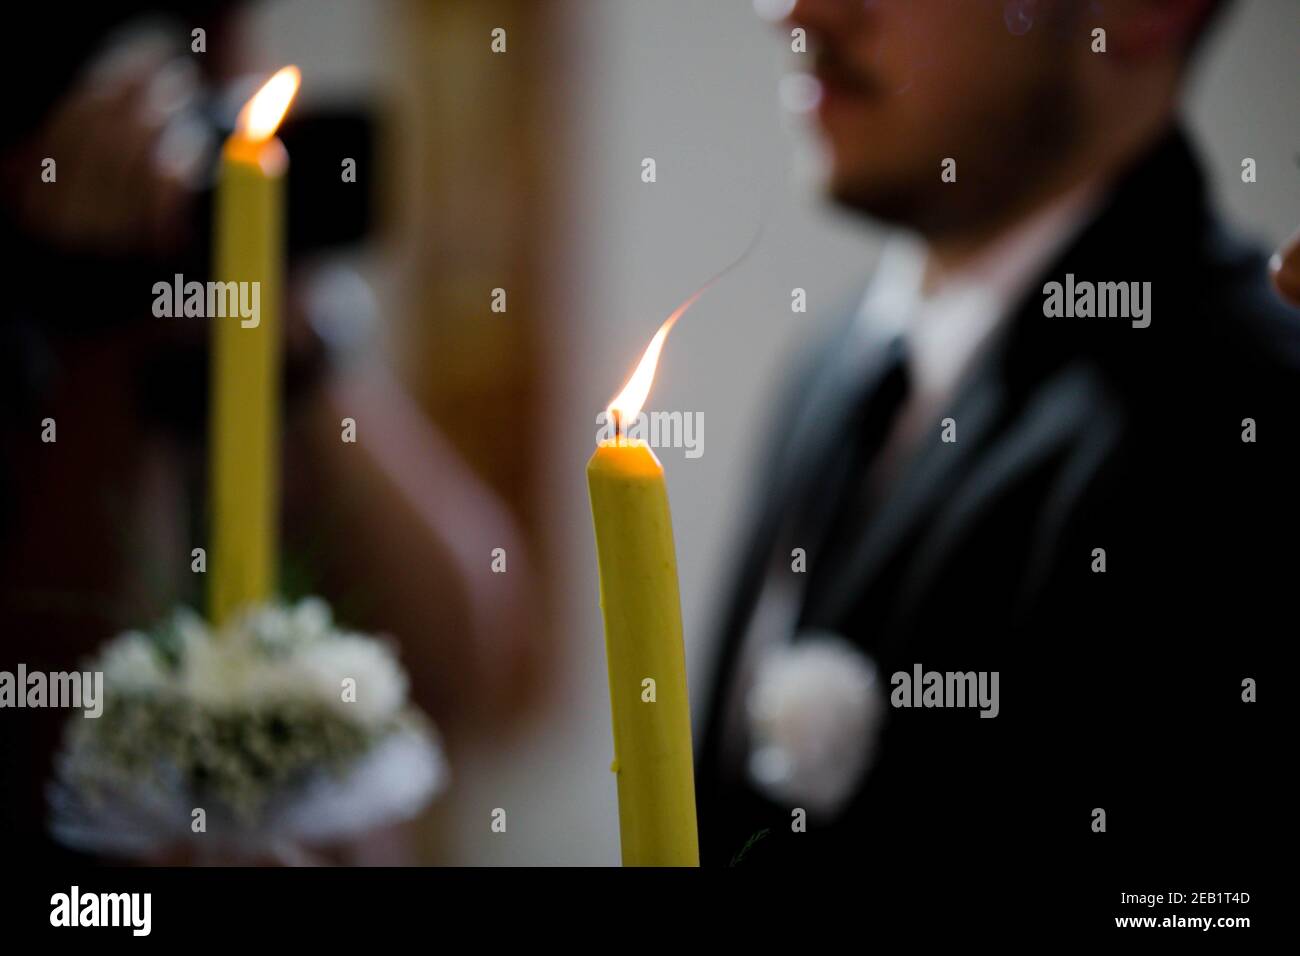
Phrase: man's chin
pixel 875 198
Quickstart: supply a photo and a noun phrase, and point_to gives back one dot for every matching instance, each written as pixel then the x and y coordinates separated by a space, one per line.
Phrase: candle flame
pixel 261 115
pixel 627 404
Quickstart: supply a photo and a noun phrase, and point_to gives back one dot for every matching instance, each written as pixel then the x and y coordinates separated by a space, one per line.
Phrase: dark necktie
pixel 838 503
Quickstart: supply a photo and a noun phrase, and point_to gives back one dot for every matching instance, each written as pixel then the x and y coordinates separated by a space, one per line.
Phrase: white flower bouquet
pixel 277 729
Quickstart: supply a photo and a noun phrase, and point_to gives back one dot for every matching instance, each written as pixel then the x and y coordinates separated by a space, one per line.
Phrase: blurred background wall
pixel 522 171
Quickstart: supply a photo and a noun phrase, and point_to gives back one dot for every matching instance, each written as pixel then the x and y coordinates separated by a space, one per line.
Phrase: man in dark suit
pixel 1059 452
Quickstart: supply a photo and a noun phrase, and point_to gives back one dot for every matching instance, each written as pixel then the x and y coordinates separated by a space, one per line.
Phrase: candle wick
pixel 618 427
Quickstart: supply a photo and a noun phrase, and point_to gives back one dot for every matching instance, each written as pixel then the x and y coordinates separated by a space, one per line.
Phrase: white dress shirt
pixel 949 327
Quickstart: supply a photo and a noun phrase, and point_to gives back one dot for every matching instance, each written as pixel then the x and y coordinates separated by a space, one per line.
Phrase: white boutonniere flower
pixel 815 712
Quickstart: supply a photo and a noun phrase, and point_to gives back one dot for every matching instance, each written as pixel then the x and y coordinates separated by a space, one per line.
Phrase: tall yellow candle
pixel 245 398
pixel 643 638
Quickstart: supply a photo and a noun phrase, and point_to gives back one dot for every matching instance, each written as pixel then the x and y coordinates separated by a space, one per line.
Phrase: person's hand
pixel 121 186
pixel 1285 269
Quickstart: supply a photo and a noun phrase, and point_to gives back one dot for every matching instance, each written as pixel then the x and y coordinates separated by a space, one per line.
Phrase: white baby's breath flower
pixel 312 619
pixel 216 665
pixel 129 663
pixel 274 681
pixel 815 712
pixel 265 629
pixel 274 653
pixel 280 629
pixel 190 628
pixel 380 681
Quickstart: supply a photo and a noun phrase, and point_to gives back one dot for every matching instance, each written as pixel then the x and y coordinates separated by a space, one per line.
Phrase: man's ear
pixel 1142 29
pixel 1285 267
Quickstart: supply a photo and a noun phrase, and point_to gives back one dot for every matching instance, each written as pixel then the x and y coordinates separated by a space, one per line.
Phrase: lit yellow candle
pixel 643 637
pixel 245 400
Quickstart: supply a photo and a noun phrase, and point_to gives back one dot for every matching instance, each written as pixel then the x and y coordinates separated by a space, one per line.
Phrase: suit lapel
pixel 925 481
pixel 1070 413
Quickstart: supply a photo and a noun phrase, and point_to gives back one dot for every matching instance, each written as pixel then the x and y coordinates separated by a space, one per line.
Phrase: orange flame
pixel 627 404
pixel 261 115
